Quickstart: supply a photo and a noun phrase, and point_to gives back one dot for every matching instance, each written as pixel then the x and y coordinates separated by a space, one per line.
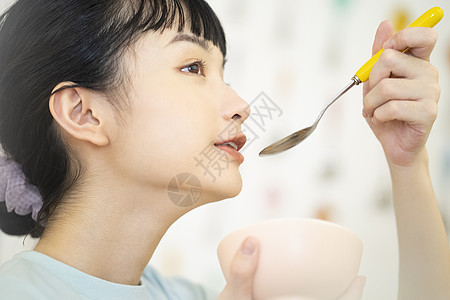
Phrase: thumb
pixel 242 270
pixel 384 32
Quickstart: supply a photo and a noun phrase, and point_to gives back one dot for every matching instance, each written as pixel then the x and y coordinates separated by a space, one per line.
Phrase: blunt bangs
pixel 195 16
pixel 47 42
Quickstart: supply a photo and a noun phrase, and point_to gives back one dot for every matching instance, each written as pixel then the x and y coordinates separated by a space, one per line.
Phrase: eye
pixel 197 67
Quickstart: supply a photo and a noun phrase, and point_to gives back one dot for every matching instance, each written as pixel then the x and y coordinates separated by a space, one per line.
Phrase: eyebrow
pixel 193 39
pixel 183 37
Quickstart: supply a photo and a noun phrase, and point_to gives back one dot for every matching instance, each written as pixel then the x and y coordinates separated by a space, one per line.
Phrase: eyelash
pixel 201 64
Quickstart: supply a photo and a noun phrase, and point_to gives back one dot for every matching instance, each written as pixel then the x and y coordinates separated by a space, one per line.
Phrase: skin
pixel 402 127
pixel 123 195
pixel 176 108
pixel 400 106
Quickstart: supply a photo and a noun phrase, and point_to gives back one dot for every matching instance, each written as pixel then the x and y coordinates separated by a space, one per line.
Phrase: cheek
pixel 173 131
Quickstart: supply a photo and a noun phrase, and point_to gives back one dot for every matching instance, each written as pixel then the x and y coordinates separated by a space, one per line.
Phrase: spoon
pixel 429 19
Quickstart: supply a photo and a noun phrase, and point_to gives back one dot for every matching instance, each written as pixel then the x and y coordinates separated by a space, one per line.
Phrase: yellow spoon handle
pixel 428 19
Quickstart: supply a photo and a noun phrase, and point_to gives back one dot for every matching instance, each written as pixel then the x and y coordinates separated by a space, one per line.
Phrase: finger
pixel 398 89
pixel 384 32
pixel 393 63
pixel 242 270
pixel 419 41
pixel 356 289
pixel 412 112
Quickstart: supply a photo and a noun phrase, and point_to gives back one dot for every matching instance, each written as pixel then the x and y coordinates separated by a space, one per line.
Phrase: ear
pixel 81 113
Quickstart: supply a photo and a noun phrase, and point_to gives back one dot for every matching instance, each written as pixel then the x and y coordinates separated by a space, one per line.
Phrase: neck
pixel 112 237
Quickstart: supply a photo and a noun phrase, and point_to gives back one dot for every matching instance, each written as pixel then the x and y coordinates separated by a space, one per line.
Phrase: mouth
pixel 232 147
pixel 235 143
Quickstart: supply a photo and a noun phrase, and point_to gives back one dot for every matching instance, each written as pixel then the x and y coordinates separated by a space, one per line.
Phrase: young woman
pixel 104 103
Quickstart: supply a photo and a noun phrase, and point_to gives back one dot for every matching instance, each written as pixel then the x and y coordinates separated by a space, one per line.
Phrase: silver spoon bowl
pixel 298 136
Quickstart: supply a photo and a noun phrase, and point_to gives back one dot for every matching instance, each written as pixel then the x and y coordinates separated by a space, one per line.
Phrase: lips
pixel 235 143
pixel 232 147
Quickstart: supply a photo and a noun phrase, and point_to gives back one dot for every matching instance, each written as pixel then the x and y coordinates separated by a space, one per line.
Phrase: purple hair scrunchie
pixel 18 194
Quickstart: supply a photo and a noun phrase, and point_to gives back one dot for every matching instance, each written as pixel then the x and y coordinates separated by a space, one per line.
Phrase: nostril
pixel 236 117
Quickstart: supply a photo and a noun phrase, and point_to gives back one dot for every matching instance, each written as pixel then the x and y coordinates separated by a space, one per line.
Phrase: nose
pixel 235 108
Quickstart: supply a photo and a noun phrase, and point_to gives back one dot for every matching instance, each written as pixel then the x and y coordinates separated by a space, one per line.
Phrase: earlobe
pixel 78 111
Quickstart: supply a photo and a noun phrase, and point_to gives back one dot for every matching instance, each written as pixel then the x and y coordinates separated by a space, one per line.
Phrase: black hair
pixel 46 42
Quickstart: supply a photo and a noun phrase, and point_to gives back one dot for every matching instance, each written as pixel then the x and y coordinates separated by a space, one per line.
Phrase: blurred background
pixel 300 54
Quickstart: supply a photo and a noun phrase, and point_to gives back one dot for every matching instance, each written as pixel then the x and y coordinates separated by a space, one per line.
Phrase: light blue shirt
pixel 33 275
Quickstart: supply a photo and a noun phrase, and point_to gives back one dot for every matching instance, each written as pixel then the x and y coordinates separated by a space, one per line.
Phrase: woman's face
pixel 180 111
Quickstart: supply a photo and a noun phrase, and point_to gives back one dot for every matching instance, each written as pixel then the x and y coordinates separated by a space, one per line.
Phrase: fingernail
pixel 248 247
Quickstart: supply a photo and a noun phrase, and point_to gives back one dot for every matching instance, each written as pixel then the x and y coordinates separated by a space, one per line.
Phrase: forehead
pixel 171 40
pixel 183 37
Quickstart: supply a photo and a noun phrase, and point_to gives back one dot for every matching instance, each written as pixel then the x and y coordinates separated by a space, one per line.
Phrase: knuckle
pixel 433 89
pixel 438 91
pixel 402 36
pixel 386 87
pixel 431 36
pixel 388 57
pixel 394 108
pixel 368 103
pixel 431 111
pixel 366 100
pixel 434 112
pixel 380 112
pixel 377 116
pixel 434 72
pixel 436 88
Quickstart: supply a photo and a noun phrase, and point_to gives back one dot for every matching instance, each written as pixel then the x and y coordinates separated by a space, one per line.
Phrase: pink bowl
pixel 303 259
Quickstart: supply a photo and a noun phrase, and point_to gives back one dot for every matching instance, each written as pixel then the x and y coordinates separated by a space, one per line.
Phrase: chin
pixel 227 186
pixel 196 187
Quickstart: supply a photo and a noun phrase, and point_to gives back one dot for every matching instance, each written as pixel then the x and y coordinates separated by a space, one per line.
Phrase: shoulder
pixel 19 279
pixel 32 275
pixel 174 287
pixel 17 269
